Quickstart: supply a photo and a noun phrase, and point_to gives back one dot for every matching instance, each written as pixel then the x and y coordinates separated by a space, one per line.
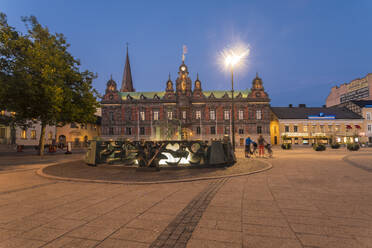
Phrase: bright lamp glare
pixel 235 57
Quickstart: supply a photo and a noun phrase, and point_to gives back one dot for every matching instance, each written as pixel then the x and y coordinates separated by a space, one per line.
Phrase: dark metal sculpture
pixel 150 153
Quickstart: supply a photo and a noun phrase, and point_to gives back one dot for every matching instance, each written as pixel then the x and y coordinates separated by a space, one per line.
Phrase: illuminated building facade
pixel 183 111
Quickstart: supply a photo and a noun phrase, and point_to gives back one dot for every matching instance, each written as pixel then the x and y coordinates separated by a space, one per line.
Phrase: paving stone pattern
pixel 179 231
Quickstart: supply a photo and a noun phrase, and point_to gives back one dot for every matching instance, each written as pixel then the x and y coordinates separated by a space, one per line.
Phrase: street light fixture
pixel 232 59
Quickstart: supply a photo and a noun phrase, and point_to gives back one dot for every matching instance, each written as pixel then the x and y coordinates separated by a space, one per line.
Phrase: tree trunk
pixel 42 139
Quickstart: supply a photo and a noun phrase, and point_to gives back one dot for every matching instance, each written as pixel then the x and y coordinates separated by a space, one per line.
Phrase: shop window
pixel 198 130
pixel 295 129
pixel 24 134
pixel 241 115
pixel 213 130
pixel 212 115
pixel 259 129
pixel 142 130
pixel 226 115
pixel 296 141
pixel 286 129
pixel 33 134
pixel 241 131
pixel 156 115
pixel 305 141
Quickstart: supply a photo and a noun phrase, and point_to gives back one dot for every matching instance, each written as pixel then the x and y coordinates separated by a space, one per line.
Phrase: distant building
pixel 304 125
pixel 357 89
pixel 184 112
pixel 79 134
pixel 29 136
pixel 363 108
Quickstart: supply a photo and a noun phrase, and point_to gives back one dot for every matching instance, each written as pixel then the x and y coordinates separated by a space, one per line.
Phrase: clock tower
pixel 183 82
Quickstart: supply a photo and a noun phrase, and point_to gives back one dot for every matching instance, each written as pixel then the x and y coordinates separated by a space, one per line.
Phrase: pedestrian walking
pixel 261 146
pixel 248 143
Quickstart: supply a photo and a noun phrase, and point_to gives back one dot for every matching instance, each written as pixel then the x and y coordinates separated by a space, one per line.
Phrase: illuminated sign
pixel 292 134
pixel 321 116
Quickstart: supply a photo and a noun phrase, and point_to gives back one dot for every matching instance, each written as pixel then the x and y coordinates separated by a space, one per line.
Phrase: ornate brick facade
pixel 184 111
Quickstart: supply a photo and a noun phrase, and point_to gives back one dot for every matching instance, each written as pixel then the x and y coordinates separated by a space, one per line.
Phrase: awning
pixel 349 127
pixel 357 126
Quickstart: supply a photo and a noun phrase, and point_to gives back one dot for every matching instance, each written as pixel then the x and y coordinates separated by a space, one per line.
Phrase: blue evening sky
pixel 300 48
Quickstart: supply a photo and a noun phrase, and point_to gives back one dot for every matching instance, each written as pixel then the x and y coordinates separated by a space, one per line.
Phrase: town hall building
pixel 183 110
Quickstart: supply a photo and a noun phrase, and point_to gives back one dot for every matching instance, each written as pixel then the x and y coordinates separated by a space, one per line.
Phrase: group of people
pixel 251 147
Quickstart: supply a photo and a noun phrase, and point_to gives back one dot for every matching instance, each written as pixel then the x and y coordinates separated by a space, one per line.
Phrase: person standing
pixel 248 143
pixel 261 145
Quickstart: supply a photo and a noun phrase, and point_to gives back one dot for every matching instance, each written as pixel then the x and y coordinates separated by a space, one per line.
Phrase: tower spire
pixel 127 83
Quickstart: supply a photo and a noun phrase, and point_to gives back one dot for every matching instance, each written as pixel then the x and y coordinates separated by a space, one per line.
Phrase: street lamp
pixel 232 59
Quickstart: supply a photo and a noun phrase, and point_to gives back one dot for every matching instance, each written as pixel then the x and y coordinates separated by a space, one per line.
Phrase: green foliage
pixel 40 80
pixel 335 146
pixel 319 147
pixel 286 146
pixel 353 146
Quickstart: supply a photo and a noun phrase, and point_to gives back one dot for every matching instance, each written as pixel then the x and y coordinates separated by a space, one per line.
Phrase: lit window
pixel 241 115
pixel 226 115
pixel 198 114
pixel 184 115
pixel 23 134
pixel 305 128
pixel 2 112
pixel 227 130
pixel 33 134
pixel 156 115
pixel 170 115
pixel 142 115
pixel 212 115
pixel 258 115
pixel 330 128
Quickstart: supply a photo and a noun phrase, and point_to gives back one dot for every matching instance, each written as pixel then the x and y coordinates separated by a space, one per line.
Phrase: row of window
pixel 368 116
pixel 313 128
pixel 212 115
pixel 128 130
pixel 83 126
pixel 33 134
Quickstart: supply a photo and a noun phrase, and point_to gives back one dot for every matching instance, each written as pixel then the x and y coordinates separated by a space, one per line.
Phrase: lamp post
pixel 232 109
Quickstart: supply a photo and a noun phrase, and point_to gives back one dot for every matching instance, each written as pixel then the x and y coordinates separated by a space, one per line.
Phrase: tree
pixel 40 80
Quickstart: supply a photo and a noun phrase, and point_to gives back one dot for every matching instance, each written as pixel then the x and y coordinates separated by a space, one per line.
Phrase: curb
pixel 41 173
pixel 352 163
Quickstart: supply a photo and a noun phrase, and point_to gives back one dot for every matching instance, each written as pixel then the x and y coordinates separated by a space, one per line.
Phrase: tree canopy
pixel 40 80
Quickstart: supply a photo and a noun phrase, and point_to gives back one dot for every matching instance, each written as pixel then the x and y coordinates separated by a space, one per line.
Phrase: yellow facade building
pixel 305 126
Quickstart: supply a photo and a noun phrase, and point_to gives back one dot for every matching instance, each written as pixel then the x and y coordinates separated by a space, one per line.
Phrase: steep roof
pixel 127 83
pixel 305 112
pixel 160 94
